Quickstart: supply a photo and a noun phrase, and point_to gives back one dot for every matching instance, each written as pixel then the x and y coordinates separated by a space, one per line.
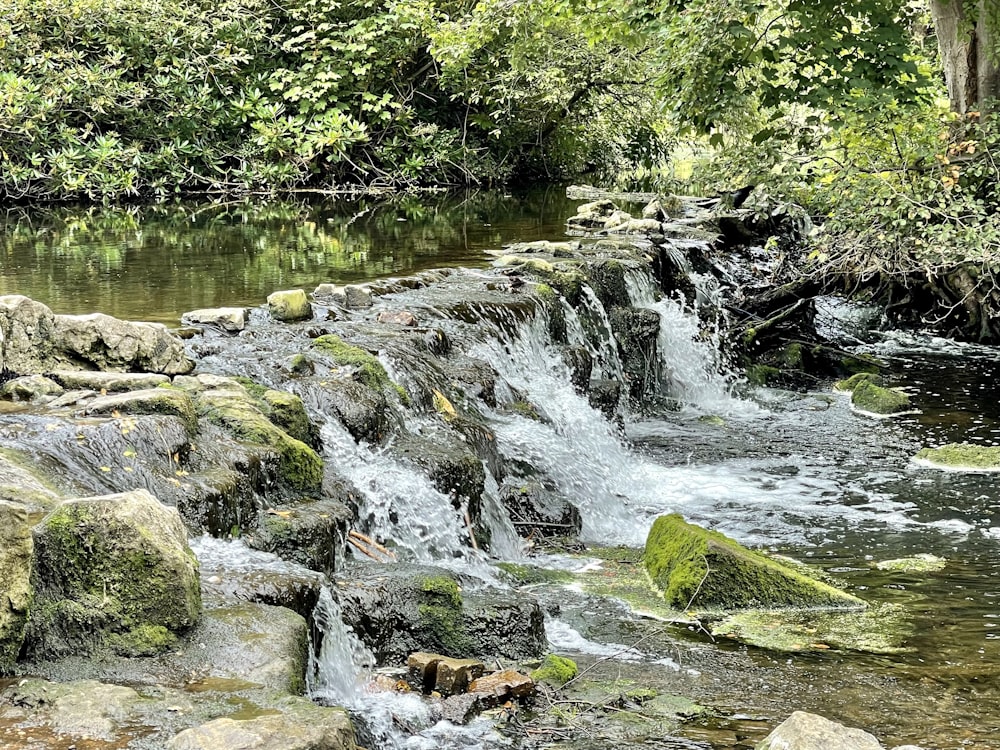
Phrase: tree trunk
pixel 967 53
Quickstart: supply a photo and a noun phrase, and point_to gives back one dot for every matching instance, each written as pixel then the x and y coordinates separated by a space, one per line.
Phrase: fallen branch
pixel 368 546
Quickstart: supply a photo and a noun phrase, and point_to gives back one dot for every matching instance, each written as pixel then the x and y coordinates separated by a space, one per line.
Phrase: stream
pixel 796 473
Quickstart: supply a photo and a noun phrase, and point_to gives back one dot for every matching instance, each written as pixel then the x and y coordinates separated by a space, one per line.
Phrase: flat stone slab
pixel 112 382
pixel 229 319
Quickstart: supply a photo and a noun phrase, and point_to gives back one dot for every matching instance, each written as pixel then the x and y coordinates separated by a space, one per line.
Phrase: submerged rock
pixel 805 731
pixel 111 572
pixel 923 562
pixel 874 399
pixel 701 569
pixel 961 457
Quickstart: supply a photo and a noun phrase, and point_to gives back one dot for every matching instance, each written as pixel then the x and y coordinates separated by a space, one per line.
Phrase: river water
pixel 796 473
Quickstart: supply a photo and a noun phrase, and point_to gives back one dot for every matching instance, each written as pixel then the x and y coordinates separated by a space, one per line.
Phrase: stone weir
pixel 342 441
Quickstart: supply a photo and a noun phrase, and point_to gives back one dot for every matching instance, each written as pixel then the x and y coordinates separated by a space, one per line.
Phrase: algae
pixel 527 575
pixel 961 457
pixel 697 568
pixel 919 563
pixel 555 670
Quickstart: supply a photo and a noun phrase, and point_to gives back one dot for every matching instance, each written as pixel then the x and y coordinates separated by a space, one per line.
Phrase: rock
pixel 357 297
pixel 874 399
pixel 449 463
pixel 805 731
pixel 705 570
pixel 289 306
pixel 399 318
pixel 232 408
pixel 302 725
pixel 443 674
pixel 555 670
pixel 326 290
pixel 919 563
pixel 22 488
pixel 508 684
pixel 397 610
pixel 849 384
pixel 960 457
pixel 637 331
pixel 113 571
pixel 16 547
pixel 162 401
pixel 229 319
pixel 310 533
pixel 461 709
pixel 537 511
pixel 287 411
pixel 363 411
pixel 34 340
pixel 580 363
pixel 636 226
pixel 654 210
pixel 110 382
pixel 604 395
pixel 30 388
pixel 592 215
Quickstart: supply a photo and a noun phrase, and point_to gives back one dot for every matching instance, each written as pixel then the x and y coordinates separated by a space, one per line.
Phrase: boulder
pixel 162 401
pixel 310 533
pixel 302 725
pixel 33 340
pixel 110 382
pixel 705 570
pixel 961 457
pixel 111 572
pixel 30 388
pixel 537 511
pixel 397 610
pixel 229 319
pixel 357 297
pixel 874 399
pixel 289 306
pixel 16 548
pixel 443 674
pixel 449 463
pixel 397 317
pixel 637 331
pixel 508 684
pixel 363 411
pixel 805 731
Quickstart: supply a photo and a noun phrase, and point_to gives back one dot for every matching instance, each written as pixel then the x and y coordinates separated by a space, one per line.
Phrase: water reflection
pixel 157 262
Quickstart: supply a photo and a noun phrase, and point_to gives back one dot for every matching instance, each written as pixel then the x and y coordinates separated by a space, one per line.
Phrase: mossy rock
pixel 879 629
pixel 367 369
pixel 153 401
pixel 919 563
pixel 527 575
pixel 762 374
pixel 961 457
pixel 705 570
pixel 289 305
pixel 874 399
pixel 849 384
pixel 555 670
pixel 301 467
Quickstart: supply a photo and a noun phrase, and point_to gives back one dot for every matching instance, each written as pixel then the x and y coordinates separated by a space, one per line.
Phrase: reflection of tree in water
pixel 157 261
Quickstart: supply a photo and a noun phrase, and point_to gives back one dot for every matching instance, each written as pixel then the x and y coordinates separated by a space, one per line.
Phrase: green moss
pixel 921 563
pixel 546 293
pixel 762 374
pixel 144 640
pixel 697 568
pixel 875 399
pixel 961 456
pixel 879 629
pixel 525 409
pixel 555 670
pixel 529 574
pixel 255 389
pixel 441 620
pixel 301 467
pixel 849 384
pixel 369 370
pixel 793 356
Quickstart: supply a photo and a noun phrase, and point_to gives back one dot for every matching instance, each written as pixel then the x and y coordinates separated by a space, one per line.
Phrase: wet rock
pixel 310 533
pixel 805 731
pixel 508 684
pixel 539 512
pixel 607 278
pixel 111 572
pixel 301 725
pixel 605 395
pixel 399 318
pixel 233 409
pixel 397 610
pixel 21 487
pixel 706 570
pixel 635 226
pixel 443 674
pixel 33 340
pixel 449 463
pixel 654 210
pixel 362 410
pixel 287 411
pixel 229 319
pixel 920 563
pixel 960 457
pixel 580 363
pixel 289 306
pixel 30 388
pixel 461 709
pixel 110 382
pixel 637 331
pixel 357 297
pixel 592 215
pixel 359 363
pixel 16 549
pixel 874 399
pixel 849 384
pixel 162 401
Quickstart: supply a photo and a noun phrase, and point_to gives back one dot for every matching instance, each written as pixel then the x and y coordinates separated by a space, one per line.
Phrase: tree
pixel 967 32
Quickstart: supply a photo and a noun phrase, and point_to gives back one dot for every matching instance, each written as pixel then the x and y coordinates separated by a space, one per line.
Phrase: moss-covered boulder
pixel 15 580
pixel 363 364
pixel 849 384
pixel 162 401
pixel 233 409
pixel 874 399
pixel 705 570
pixel 289 306
pixel 111 572
pixel 961 457
pixel 555 670
pixel 311 533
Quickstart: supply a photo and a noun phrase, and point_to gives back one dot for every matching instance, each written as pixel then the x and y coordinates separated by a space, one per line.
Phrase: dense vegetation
pixel 874 115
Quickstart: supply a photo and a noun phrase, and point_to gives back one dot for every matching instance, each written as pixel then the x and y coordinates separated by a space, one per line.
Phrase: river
pixel 798 473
